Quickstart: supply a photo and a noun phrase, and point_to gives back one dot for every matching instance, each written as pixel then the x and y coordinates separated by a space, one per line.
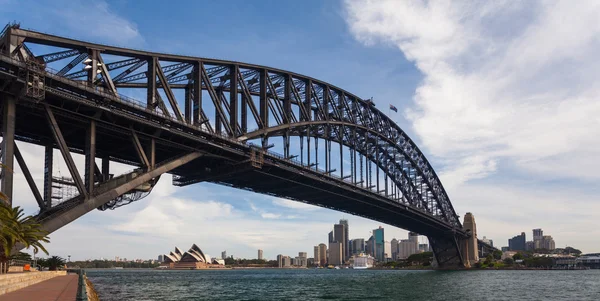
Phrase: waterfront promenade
pixel 60 288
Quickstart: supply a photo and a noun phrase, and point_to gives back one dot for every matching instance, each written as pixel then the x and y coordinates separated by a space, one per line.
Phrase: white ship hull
pixel 360 268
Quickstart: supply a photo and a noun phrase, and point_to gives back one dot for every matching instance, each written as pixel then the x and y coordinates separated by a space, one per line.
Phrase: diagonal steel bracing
pixel 64 150
pixel 115 190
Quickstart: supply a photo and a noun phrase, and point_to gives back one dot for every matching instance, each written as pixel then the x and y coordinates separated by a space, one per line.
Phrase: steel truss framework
pixel 249 106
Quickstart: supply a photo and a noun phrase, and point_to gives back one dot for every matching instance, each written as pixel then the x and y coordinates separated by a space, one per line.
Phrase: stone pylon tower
pixel 470 250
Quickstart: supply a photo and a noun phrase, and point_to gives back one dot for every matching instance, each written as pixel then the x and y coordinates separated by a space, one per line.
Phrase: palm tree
pixel 55 262
pixel 16 228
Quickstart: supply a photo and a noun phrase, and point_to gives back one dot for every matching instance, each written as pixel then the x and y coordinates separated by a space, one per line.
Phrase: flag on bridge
pixel 393 108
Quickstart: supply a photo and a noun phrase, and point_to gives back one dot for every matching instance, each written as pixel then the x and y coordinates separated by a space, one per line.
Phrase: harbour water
pixel 345 284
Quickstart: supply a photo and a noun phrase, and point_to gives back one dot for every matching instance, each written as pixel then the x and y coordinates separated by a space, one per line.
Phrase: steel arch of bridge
pixel 276 102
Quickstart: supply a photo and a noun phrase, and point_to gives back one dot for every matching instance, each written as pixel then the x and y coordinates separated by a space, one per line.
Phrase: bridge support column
pixel 8 145
pixel 48 164
pixel 90 157
pixel 469 245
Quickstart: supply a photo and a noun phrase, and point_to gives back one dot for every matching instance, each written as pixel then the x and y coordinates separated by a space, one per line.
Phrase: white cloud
pixel 501 80
pixel 94 21
pixel 270 215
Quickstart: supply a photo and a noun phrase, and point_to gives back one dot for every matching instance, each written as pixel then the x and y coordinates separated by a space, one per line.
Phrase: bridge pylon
pixel 470 250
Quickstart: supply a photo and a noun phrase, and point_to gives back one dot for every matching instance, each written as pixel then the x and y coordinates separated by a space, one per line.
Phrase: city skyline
pixel 519 163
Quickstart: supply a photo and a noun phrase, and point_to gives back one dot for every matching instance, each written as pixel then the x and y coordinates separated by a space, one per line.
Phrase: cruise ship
pixel 362 262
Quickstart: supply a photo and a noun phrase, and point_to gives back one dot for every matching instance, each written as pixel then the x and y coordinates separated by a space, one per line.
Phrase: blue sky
pixel 502 109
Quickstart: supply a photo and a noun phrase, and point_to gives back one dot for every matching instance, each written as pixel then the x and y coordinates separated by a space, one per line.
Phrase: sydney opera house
pixel 194 258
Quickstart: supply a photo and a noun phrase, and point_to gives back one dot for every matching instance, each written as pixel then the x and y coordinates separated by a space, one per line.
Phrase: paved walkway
pixel 59 288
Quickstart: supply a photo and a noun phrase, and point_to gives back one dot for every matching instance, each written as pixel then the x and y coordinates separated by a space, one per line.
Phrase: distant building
pixel 160 258
pixel 223 255
pixel 194 258
pixel 529 245
pixel 284 261
pixel 378 244
pixel 538 239
pixel 517 243
pixel 590 260
pixel 358 246
pixel 316 255
pixel 345 240
pixel 394 248
pixel 331 239
pixel 370 246
pixel 339 235
pixel 387 250
pixel 504 249
pixel 407 247
pixel 548 242
pixel 322 254
pixel 487 241
pixel 350 248
pixel 260 254
pixel 424 248
pixel 301 260
pixel 335 253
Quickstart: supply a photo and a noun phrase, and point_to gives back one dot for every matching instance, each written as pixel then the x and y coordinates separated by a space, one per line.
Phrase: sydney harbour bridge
pixel 208 120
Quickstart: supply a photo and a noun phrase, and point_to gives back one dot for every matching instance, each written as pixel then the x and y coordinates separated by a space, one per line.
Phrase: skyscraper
pixel 358 246
pixel 378 244
pixel 370 247
pixel 538 239
pixel 331 239
pixel 322 254
pixel 387 250
pixel 548 242
pixel 260 254
pixel 346 238
pixel 317 255
pixel 394 247
pixel 223 255
pixel 335 253
pixel 339 235
pixel 517 243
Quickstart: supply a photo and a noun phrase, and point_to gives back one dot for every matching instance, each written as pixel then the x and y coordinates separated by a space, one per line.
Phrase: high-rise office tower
pixel 339 235
pixel 378 244
pixel 394 247
pixel 260 254
pixel 322 254
pixel 331 239
pixel 517 243
pixel 223 255
pixel 358 246
pixel 346 238
pixel 335 253
pixel 317 255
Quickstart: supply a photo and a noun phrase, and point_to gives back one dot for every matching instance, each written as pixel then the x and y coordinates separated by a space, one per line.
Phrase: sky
pixel 500 96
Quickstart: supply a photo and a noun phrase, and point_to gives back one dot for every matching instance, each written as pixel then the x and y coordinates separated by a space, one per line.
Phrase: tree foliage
pixel 497 254
pixel 53 263
pixel 518 256
pixel 109 264
pixel 16 228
